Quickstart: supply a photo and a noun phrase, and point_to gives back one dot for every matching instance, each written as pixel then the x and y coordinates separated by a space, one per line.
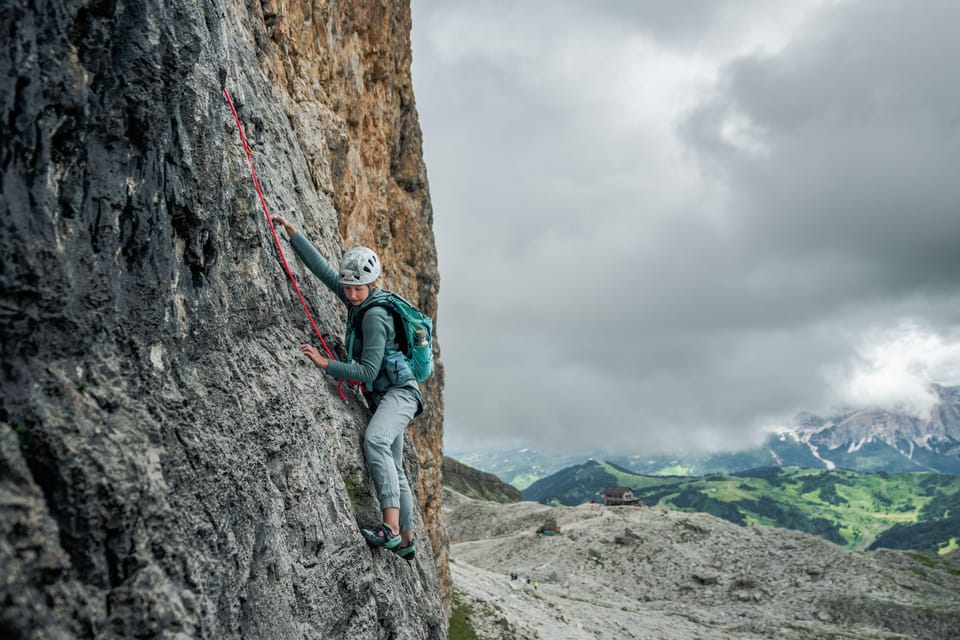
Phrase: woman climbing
pixel 386 377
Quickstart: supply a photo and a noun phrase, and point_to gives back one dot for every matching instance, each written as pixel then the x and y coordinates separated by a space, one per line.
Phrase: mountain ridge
pixel 895 439
pixel 477 484
pixel 916 510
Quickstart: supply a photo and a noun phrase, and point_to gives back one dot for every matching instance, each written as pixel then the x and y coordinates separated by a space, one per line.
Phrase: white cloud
pixel 892 369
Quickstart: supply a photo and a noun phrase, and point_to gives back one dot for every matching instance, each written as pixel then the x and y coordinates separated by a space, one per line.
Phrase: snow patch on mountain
pixel 816 454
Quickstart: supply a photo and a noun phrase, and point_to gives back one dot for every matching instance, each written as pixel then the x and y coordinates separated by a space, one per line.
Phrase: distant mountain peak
pixel 898 433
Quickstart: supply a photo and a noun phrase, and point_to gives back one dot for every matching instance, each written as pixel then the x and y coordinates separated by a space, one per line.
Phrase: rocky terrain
pixel 627 572
pixel 477 484
pixel 170 465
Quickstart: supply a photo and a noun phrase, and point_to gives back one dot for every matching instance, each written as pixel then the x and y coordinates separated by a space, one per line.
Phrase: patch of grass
pixel 952 545
pixel 524 480
pixel 354 492
pixel 916 510
pixel 21 433
pixel 460 626
pixel 674 470
pixel 847 507
pixel 932 562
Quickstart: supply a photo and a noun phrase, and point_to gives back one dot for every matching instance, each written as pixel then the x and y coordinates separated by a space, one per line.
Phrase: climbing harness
pixel 276 239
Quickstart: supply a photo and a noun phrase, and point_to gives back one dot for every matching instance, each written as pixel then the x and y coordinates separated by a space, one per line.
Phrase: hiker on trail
pixel 387 379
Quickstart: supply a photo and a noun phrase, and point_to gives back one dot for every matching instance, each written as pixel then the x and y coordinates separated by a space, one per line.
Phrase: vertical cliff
pixel 170 466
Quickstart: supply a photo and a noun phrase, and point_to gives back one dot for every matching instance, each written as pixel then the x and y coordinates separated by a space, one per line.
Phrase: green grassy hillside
pixel 918 510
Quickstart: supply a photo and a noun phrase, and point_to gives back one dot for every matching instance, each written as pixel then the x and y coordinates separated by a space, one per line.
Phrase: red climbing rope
pixel 276 239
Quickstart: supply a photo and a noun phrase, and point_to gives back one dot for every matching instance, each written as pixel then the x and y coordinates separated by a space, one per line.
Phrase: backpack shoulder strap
pixel 387 303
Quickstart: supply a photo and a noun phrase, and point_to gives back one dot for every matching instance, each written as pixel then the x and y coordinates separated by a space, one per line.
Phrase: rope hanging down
pixel 276 239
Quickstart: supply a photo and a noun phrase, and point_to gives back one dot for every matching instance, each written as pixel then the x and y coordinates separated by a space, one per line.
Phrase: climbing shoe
pixel 382 536
pixel 407 553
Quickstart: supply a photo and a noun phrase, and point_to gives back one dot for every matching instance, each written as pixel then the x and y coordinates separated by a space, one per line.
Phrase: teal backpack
pixel 414 332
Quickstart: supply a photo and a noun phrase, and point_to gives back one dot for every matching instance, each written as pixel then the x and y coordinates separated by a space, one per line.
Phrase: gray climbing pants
pixel 383 448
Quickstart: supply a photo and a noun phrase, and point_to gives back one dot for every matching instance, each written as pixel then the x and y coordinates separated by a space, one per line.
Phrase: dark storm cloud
pixel 859 126
pixel 641 248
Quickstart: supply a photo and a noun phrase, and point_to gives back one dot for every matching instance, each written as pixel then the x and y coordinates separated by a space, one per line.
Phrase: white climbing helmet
pixel 359 266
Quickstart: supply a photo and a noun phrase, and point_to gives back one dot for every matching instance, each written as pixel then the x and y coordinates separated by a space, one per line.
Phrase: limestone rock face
pixel 170 465
pixel 478 484
pixel 342 74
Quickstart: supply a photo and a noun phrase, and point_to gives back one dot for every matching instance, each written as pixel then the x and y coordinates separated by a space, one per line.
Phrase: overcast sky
pixel 675 224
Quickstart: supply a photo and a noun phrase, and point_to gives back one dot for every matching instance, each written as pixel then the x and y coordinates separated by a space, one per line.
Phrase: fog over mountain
pixel 867 440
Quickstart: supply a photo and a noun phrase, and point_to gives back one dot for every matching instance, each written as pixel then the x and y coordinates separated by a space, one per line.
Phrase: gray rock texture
pixel 170 465
pixel 628 572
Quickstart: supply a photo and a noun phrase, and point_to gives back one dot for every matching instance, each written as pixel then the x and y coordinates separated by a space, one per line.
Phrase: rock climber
pixel 388 382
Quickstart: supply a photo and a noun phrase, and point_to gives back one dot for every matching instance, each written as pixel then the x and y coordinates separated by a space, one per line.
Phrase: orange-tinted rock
pixel 344 69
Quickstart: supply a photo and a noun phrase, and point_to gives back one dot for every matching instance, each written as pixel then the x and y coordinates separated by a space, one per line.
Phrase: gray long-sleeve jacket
pixel 378 337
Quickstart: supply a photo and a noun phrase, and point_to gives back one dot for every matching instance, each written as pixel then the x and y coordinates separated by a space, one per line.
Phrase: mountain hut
pixel 618 496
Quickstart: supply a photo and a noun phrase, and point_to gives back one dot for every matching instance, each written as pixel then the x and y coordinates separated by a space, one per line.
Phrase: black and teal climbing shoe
pixel 407 553
pixel 382 536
